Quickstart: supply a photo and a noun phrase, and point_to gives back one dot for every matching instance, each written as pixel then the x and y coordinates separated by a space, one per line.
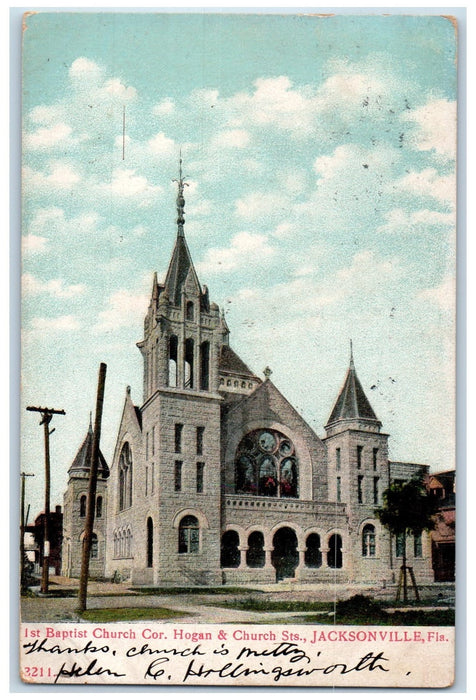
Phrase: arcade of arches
pixel 283 550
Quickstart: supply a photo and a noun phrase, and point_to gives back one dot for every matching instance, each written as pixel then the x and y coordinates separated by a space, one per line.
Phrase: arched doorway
pixel 284 556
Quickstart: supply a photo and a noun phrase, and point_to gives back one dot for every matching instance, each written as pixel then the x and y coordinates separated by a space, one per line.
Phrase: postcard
pixel 238 349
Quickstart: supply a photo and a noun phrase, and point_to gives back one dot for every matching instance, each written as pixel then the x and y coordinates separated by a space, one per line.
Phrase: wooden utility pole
pixel 46 416
pixel 23 522
pixel 91 498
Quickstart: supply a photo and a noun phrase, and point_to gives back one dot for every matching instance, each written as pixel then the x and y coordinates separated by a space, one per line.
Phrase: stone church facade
pixel 217 479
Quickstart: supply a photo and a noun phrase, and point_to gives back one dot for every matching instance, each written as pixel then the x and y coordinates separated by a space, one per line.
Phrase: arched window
pixel 230 554
pixel 99 507
pixel 150 543
pixel 188 368
pixel 334 555
pixel 313 555
pixel 189 311
pixel 94 547
pixel 82 507
pixel 173 351
pixel 125 477
pixel 205 366
pixel 266 464
pixel 368 541
pixel 255 556
pixel 189 535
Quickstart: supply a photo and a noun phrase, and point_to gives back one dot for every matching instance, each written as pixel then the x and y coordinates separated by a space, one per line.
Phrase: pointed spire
pixel 82 462
pixel 352 402
pixel 155 287
pixel 180 199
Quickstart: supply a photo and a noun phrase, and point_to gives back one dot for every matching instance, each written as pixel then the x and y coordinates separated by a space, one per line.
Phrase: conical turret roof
pixel 82 461
pixel 352 402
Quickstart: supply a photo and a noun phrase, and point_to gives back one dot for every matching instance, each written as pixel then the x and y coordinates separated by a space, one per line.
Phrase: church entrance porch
pixel 284 556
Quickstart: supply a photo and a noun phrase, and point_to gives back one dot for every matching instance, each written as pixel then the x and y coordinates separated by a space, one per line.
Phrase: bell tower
pixel 183 331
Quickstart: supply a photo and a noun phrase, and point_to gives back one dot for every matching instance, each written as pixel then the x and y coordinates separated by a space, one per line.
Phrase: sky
pixel 319 154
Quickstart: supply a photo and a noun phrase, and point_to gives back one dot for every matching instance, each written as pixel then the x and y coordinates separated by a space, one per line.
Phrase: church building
pixel 217 479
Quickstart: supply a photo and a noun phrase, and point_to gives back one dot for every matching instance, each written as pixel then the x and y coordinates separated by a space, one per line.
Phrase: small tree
pixel 408 508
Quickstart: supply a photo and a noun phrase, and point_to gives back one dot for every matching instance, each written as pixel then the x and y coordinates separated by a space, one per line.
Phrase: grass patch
pixel 130 614
pixel 276 606
pixel 192 590
pixel 360 610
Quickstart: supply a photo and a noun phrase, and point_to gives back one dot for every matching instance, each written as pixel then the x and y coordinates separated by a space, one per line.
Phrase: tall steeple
pixel 352 403
pixel 181 269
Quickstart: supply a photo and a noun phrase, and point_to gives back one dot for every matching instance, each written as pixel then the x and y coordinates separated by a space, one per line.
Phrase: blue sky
pixel 320 156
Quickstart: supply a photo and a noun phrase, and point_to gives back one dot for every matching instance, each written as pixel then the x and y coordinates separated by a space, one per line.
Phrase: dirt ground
pixel 197 608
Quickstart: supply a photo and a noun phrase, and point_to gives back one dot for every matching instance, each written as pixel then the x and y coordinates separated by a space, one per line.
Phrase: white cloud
pixel 166 106
pixel 60 323
pixel 56 288
pixel 401 221
pixel 46 137
pixel 436 122
pixel 260 204
pixel 161 145
pixel 85 69
pixel 127 184
pixel 123 308
pixel 59 176
pixel 429 183
pixel 232 138
pixel 34 244
pixel 245 249
pixel 444 296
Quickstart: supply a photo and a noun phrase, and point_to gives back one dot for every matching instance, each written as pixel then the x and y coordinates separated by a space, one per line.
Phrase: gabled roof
pixel 352 401
pixel 82 461
pixel 230 362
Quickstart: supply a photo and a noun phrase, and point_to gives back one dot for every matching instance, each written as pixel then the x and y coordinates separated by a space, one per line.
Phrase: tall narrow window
pixel 189 378
pixel 94 546
pixel 200 473
pixel 189 311
pixel 173 352
pixel 368 541
pixel 152 441
pixel 125 477
pixel 146 479
pixel 82 507
pixel 147 445
pixel 178 476
pixel 99 507
pixel 339 490
pixel 150 543
pixel 376 480
pixel 189 535
pixel 152 478
pixel 360 480
pixel 205 366
pixel 400 544
pixel 334 555
pixel 417 545
pixel 359 456
pixel 374 455
pixel 178 437
pixel 338 459
pixel 200 433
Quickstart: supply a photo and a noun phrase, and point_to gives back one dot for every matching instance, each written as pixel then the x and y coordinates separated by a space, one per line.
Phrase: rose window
pixel 266 465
